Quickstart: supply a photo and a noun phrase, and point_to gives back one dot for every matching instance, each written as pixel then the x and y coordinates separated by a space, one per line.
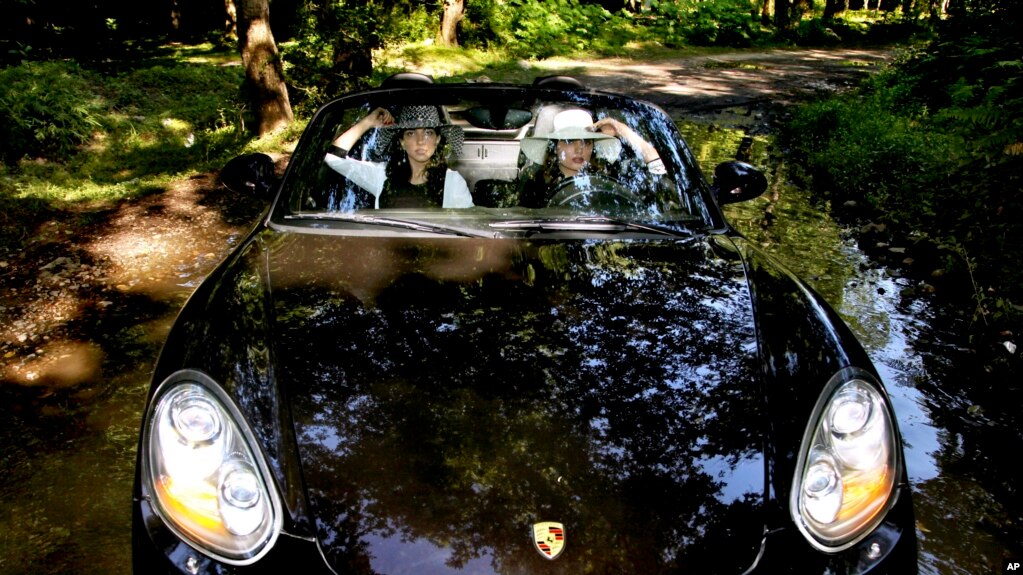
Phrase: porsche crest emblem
pixel 549 539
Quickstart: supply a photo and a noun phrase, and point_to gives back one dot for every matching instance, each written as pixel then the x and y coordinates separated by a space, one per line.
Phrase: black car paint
pixel 540 363
pixel 343 306
pixel 287 320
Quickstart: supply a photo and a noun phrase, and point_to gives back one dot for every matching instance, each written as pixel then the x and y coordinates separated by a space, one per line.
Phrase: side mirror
pixel 251 174
pixel 736 181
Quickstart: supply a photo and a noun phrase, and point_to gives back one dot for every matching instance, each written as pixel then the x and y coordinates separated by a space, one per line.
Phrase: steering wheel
pixel 594 191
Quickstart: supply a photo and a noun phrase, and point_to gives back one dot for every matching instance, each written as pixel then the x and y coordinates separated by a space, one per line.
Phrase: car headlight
pixel 848 464
pixel 204 478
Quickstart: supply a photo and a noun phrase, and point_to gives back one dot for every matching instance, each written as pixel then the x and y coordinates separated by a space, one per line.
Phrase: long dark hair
pixel 399 172
pixel 539 180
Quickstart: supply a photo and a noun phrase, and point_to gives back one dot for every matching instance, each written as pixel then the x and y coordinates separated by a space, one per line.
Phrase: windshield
pixel 483 155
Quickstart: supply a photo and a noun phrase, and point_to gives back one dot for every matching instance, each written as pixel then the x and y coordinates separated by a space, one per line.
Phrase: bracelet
pixel 337 151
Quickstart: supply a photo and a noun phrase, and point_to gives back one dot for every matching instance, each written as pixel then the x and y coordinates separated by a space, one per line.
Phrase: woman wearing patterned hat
pixel 569 148
pixel 417 174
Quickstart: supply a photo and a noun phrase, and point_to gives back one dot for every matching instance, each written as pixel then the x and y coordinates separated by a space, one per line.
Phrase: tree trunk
pixel 175 16
pixel 454 11
pixel 833 8
pixel 264 74
pixel 800 8
pixel 230 19
pixel 782 14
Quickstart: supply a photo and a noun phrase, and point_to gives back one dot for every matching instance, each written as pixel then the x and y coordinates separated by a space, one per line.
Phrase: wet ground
pixel 957 397
pixel 84 308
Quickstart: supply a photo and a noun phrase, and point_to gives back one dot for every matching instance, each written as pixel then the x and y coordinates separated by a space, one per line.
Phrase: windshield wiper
pixel 415 225
pixel 591 224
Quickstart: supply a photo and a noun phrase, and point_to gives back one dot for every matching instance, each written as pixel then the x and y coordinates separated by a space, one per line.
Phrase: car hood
pixel 449 394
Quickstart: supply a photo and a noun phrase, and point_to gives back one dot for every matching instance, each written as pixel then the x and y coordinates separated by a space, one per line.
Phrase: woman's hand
pixel 613 127
pixel 378 118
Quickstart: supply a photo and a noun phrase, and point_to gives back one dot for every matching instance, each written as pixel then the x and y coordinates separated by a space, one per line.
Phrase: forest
pixel 104 101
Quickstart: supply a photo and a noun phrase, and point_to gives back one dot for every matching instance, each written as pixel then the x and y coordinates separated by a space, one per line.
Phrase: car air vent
pixel 405 79
pixel 559 82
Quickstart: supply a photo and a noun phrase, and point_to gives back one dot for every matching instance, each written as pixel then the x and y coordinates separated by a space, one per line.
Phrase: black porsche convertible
pixel 537 372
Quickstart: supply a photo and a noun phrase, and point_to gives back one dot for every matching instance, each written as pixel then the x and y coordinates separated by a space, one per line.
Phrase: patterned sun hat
pixel 575 124
pixel 412 117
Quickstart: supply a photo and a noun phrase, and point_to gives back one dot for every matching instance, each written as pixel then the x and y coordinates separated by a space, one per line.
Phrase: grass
pixel 175 114
pixel 718 65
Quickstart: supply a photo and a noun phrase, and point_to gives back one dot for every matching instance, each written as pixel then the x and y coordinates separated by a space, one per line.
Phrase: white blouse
pixel 371 176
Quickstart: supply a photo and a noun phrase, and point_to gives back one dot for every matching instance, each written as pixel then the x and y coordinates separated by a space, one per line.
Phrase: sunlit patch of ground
pixel 35 346
pixel 59 364
pixel 64 298
pixel 726 79
pixel 164 247
pixel 84 310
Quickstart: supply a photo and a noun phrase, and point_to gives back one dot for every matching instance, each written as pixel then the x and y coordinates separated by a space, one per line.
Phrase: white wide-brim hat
pixel 412 117
pixel 572 125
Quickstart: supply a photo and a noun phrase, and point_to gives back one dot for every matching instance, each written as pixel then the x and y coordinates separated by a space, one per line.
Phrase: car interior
pixel 490 160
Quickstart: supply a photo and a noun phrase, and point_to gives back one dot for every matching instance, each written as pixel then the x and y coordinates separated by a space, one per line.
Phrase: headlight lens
pixel 205 480
pixel 849 464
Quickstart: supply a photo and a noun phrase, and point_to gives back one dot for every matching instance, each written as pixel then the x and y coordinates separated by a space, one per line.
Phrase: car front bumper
pixel 890 549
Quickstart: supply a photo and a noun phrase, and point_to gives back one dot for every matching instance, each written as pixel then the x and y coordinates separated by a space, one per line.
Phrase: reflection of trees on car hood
pixel 448 393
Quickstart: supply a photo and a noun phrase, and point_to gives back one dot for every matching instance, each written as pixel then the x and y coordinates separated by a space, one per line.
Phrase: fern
pixel 980 116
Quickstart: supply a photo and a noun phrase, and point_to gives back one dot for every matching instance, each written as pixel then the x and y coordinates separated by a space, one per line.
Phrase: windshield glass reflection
pixel 582 154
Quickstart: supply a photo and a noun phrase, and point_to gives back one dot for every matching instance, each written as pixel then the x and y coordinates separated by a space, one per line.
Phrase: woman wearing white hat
pixel 568 149
pixel 416 175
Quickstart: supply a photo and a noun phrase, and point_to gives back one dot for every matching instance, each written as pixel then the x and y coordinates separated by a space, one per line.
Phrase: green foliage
pixel 723 23
pixel 46 109
pixel 166 118
pixel 17 214
pixel 859 150
pixel 51 110
pixel 482 24
pixel 411 24
pixel 816 32
pixel 310 73
pixel 668 23
pixel 200 95
pixel 732 23
pixel 94 139
pixel 935 146
pixel 543 29
pixel 854 27
pixel 333 51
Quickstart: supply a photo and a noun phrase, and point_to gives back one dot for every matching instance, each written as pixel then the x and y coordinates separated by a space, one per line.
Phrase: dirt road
pixel 709 84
